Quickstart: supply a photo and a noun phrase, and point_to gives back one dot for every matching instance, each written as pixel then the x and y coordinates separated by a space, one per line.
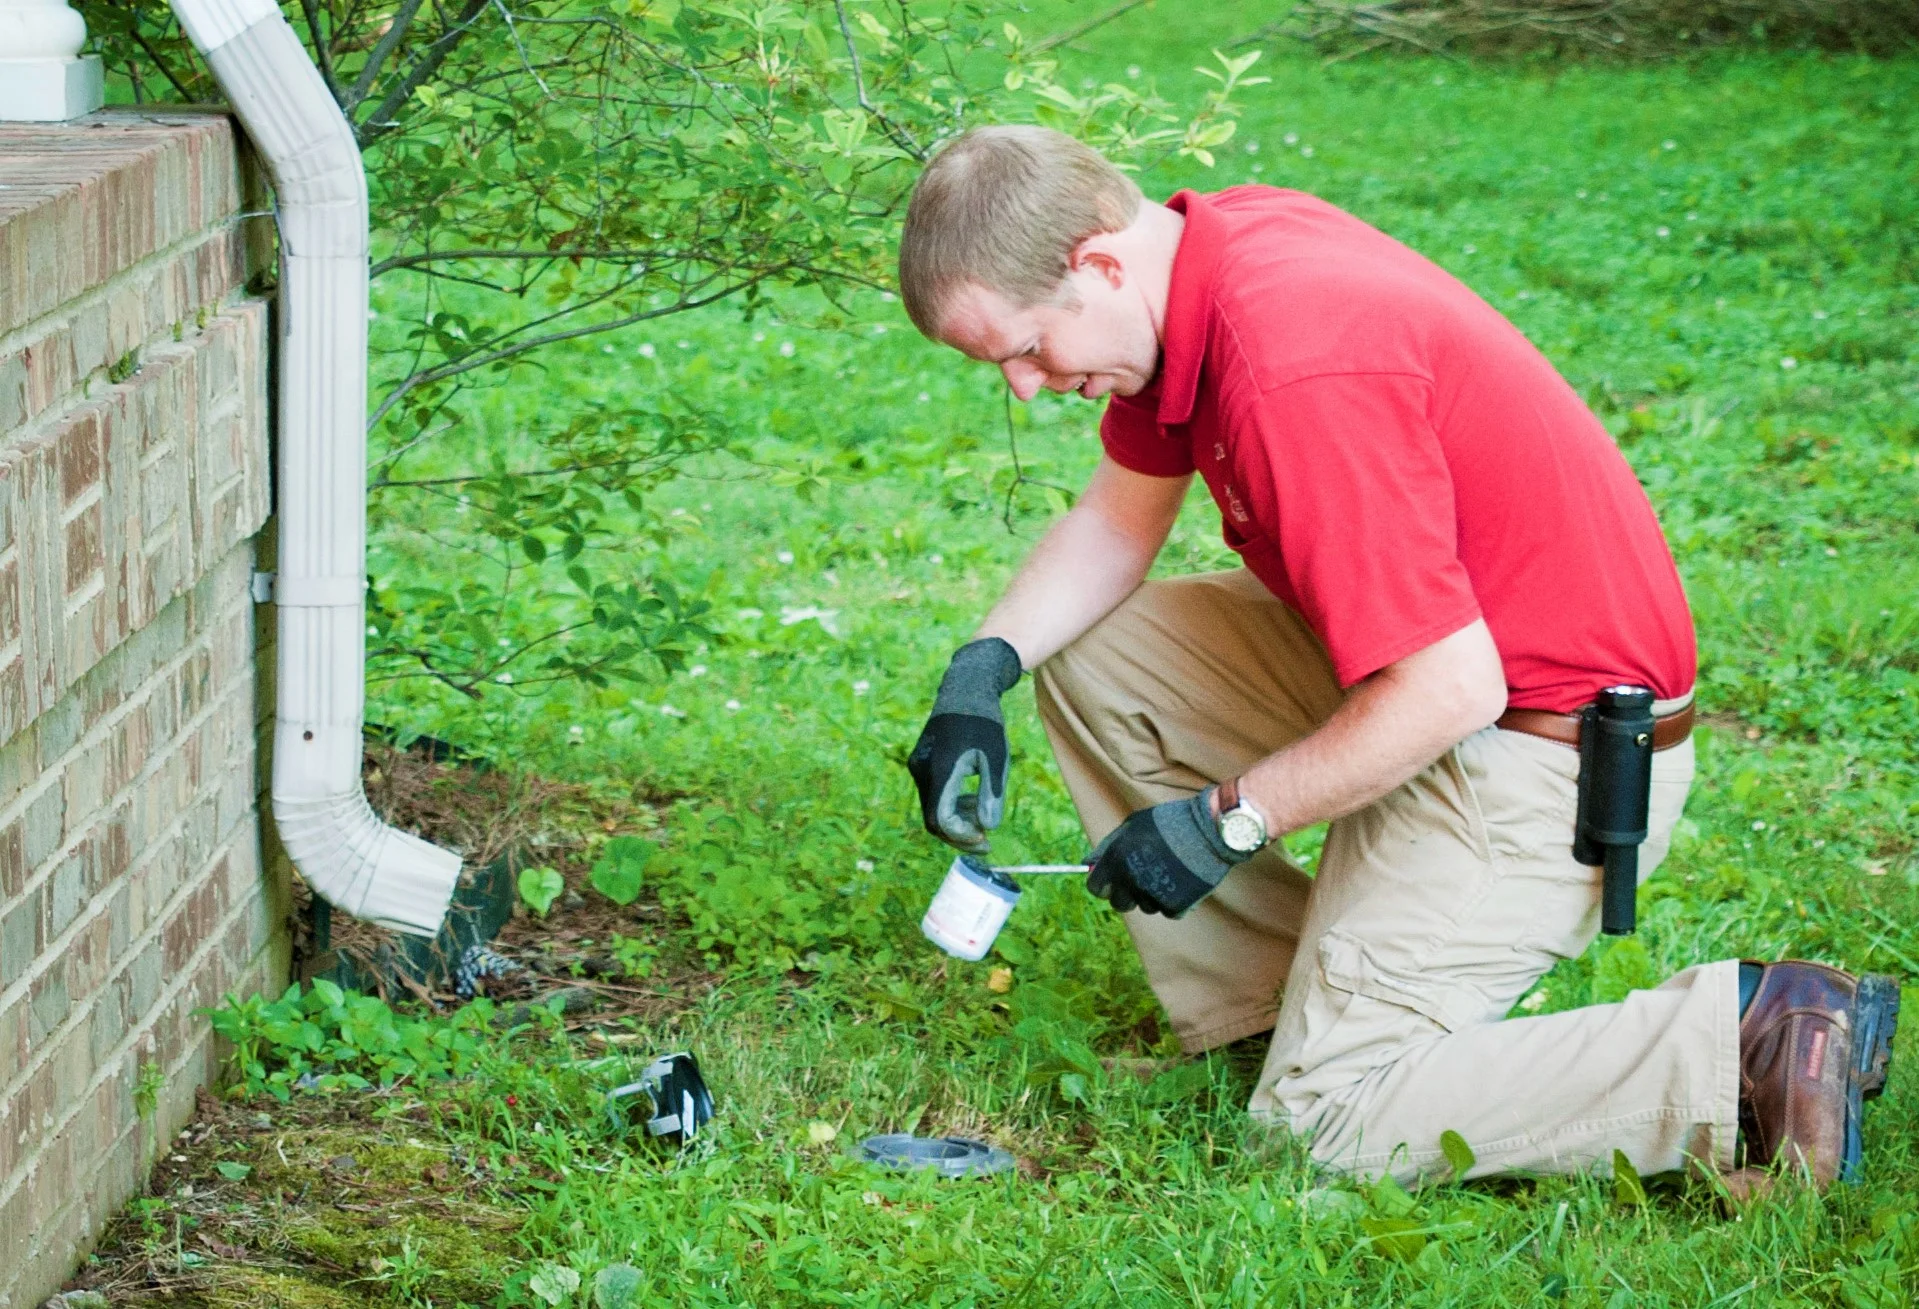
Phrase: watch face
pixel 1242 831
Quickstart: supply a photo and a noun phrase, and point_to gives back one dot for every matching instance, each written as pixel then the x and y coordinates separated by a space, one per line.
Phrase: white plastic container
pixel 973 903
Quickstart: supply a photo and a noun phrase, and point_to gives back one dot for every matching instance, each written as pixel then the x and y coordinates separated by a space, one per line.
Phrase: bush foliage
pixel 547 171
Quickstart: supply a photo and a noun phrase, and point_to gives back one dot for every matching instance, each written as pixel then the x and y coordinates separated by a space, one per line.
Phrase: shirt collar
pixel 1189 301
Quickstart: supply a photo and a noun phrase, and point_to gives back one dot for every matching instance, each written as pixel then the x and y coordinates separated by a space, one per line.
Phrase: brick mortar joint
pixel 109 1063
pixel 102 903
pixel 131 1127
pixel 80 397
pixel 48 1045
pixel 226 225
pixel 216 624
pixel 186 585
pixel 54 774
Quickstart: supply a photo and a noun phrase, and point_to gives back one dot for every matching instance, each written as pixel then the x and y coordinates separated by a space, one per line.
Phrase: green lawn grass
pixel 1720 254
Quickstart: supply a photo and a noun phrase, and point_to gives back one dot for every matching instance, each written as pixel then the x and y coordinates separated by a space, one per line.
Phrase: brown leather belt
pixel 1667 731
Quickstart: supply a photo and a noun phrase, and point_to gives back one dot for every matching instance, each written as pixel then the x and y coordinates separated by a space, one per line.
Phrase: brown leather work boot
pixel 1814 1045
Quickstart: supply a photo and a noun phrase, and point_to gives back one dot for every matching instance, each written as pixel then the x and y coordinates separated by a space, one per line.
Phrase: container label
pixel 965 917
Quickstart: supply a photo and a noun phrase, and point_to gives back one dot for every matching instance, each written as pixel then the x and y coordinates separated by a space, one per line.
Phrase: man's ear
pixel 1094 255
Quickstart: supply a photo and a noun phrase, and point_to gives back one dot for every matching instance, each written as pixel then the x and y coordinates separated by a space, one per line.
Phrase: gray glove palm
pixel 964 738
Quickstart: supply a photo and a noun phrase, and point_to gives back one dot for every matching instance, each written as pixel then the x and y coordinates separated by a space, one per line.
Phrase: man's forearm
pixel 1086 564
pixel 1391 725
pixel 1052 600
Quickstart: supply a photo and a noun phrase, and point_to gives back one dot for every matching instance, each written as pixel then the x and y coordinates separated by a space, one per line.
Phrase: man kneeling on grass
pixel 1445 560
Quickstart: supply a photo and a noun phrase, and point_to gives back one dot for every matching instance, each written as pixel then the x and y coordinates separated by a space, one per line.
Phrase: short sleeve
pixel 1364 506
pixel 1130 431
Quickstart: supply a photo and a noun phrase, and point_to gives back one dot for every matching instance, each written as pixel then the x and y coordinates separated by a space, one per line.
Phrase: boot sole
pixel 1875 1019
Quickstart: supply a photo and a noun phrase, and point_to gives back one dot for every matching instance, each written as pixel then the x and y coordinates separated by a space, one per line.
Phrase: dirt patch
pixel 481 811
pixel 327 1201
pixel 488 814
pixel 1731 724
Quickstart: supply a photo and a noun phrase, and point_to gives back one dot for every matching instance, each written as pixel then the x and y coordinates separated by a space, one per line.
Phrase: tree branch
pixel 161 64
pixel 426 661
pixel 592 466
pixel 481 358
pixel 893 131
pixel 322 53
pixel 1072 34
pixel 378 123
pixel 389 41
pixel 526 63
pixel 609 254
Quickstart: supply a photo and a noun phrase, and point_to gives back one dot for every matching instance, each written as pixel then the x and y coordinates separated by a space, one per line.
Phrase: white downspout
pixel 342 849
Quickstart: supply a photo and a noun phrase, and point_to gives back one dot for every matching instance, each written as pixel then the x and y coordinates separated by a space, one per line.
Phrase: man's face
pixel 1096 337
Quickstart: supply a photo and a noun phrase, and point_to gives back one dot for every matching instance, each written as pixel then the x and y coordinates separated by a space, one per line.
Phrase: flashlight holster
pixel 1615 797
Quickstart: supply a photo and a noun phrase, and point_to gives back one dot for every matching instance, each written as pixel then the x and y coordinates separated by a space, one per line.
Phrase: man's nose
pixel 1022 379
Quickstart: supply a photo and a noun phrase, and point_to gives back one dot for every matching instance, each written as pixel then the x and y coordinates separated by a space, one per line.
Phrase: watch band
pixel 1234 811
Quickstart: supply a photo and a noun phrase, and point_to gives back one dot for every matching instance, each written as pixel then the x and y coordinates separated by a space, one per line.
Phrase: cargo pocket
pixel 1347 964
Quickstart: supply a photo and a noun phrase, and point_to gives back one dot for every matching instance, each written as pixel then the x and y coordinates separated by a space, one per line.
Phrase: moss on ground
pixel 326 1202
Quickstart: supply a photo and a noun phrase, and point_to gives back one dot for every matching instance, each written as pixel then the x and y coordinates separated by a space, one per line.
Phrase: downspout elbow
pixel 342 849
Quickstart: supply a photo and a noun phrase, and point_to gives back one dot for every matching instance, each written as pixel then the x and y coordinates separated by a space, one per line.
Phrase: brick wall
pixel 133 487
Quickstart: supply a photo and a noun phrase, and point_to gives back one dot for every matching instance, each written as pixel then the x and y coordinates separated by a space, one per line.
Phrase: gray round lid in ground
pixel 949 1156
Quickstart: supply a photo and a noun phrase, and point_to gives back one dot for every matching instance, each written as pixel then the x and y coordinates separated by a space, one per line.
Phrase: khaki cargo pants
pixel 1433 911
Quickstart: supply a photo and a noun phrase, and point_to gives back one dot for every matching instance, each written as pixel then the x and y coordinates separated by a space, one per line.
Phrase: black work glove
pixel 1163 860
pixel 966 737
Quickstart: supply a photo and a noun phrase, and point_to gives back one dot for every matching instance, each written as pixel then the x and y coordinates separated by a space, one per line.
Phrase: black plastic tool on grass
pixel 676 1096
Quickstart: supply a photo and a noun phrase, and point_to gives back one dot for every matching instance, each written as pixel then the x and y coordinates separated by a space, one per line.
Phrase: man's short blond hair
pixel 1005 207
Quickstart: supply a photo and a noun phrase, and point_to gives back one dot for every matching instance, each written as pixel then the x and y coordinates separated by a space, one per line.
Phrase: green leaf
pixel 1389 1198
pixel 1180 1084
pixel 554 1283
pixel 1628 1192
pixel 1072 1086
pixel 1625 967
pixel 618 873
pixel 815 39
pixel 1398 1237
pixel 1458 1154
pixel 533 547
pixel 233 1172
pixel 540 887
pixel 1235 66
pixel 617 1286
pixel 1215 134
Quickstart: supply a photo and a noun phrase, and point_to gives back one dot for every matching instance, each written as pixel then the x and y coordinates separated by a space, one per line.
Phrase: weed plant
pixel 1720 254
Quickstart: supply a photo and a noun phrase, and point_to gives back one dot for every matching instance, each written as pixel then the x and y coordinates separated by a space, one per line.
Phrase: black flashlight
pixel 1615 797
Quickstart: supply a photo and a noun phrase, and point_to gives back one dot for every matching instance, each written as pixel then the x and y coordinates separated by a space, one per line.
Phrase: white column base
pixel 49 90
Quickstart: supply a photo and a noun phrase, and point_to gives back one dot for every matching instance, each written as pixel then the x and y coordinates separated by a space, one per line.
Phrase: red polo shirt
pixel 1393 459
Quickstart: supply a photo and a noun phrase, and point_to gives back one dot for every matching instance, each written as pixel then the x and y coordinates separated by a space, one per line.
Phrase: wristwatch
pixel 1241 826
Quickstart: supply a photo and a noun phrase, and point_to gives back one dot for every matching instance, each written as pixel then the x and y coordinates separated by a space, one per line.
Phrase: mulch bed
pixel 484 813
